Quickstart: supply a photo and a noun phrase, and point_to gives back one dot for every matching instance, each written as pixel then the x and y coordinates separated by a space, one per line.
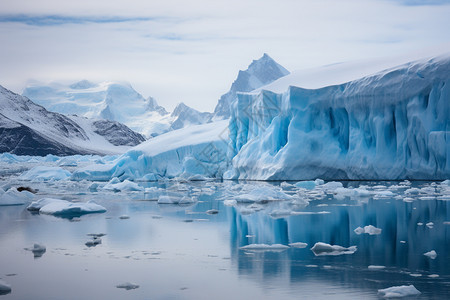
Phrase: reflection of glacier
pixel 397 219
pixel 391 125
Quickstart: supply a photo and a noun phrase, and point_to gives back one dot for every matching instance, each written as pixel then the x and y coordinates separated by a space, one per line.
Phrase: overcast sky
pixel 191 51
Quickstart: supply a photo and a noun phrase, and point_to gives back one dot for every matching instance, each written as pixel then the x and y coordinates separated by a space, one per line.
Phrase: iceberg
pixel 390 125
pixel 196 150
pixel 63 208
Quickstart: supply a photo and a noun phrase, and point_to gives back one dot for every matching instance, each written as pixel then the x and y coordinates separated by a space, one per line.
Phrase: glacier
pixel 390 125
pixel 185 153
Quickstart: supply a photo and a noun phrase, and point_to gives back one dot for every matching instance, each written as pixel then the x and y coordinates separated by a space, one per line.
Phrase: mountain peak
pixel 82 84
pixel 259 73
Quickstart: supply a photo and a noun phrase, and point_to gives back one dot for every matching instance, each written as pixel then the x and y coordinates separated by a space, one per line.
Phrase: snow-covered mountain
pixel 115 101
pixel 29 129
pixel 259 73
pixel 184 116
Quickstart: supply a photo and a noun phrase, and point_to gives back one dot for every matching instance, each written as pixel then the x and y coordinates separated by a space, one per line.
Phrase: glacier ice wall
pixel 391 125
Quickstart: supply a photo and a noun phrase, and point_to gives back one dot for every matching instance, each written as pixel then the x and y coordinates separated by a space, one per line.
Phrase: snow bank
pixel 390 125
pixel 321 249
pixel 44 173
pixel 196 150
pixel 399 291
pixel 65 208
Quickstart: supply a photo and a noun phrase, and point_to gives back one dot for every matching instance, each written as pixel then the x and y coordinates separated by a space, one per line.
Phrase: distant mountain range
pixel 119 102
pixel 29 129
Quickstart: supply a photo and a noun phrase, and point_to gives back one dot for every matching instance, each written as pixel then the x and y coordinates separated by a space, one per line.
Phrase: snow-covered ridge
pixel 29 129
pixel 391 125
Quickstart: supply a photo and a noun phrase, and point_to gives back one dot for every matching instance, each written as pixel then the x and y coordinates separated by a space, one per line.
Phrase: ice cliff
pixel 394 124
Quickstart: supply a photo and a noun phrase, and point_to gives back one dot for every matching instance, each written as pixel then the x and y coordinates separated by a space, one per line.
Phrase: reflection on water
pixel 183 252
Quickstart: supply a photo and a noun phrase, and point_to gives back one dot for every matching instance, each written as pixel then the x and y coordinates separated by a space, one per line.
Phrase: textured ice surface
pixel 390 125
pixel 399 291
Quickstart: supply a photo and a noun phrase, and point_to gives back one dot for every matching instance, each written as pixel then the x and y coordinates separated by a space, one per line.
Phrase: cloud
pixel 192 53
pixel 56 20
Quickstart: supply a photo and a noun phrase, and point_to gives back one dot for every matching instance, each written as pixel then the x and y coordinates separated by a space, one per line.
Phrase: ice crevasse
pixel 391 125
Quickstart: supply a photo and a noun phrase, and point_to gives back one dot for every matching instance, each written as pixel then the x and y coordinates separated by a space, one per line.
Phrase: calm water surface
pixel 181 252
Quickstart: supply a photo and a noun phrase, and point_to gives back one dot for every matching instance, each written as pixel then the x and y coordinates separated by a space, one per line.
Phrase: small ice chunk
pixel 298 245
pixel 167 199
pixel 374 267
pixel 331 186
pixel 407 199
pixel 415 275
pixel 212 212
pixel 37 249
pixel 403 242
pixel 399 291
pixel 431 254
pixel 433 276
pixel 319 181
pixel 370 229
pixel 124 217
pixel 420 224
pixel 320 249
pixel 127 286
pixel 430 224
pixel 67 209
pixel 5 288
pixel 265 247
pixel 94 242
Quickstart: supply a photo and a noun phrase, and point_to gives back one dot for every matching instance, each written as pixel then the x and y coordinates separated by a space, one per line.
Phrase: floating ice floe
pixel 399 291
pixel 124 217
pixel 168 199
pixel 65 208
pixel 320 249
pixel 44 173
pixel 37 249
pixel 309 185
pixel 263 193
pixel 14 197
pixel 212 212
pixel 431 254
pixel 430 225
pixel 5 288
pixel 370 229
pixel 265 247
pixel 127 286
pixel 298 245
pixel 116 185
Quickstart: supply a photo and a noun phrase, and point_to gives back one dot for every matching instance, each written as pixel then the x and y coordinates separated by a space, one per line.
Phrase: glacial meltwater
pixel 229 240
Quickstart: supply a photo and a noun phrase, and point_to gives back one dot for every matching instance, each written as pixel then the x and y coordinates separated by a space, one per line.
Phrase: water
pixel 181 252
